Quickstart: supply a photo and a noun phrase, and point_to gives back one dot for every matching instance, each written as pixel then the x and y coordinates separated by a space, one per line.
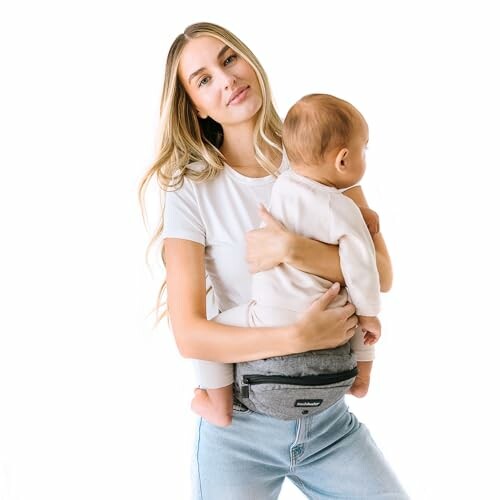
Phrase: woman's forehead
pixel 198 53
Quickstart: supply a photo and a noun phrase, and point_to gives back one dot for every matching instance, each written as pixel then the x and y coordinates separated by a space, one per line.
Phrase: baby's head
pixel 325 139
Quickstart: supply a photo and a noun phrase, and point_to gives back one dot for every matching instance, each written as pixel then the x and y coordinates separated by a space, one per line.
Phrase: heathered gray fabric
pixel 280 400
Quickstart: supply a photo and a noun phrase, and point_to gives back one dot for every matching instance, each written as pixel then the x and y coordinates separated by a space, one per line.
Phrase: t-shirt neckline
pixel 232 172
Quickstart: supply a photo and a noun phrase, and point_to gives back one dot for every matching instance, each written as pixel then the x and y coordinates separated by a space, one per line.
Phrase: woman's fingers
pixel 352 322
pixel 350 310
pixel 267 217
pixel 323 327
pixel 324 301
pixel 350 333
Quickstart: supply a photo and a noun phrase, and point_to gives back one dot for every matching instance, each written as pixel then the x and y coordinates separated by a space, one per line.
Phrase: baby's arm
pixel 358 262
pixel 357 257
pixel 382 254
pixel 370 325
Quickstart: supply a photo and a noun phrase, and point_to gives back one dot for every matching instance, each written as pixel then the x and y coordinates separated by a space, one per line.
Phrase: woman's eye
pixel 203 81
pixel 230 59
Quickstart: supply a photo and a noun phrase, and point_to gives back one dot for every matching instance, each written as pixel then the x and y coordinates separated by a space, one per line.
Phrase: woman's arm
pixel 274 244
pixel 384 265
pixel 197 337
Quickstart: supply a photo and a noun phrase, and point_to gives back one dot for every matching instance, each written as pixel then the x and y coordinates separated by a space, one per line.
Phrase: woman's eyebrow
pixel 200 70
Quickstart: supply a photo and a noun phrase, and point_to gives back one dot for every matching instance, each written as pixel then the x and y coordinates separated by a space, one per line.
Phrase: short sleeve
pixel 182 217
pixel 357 255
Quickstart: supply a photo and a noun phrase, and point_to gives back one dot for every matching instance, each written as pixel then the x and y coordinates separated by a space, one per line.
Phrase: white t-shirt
pixel 217 214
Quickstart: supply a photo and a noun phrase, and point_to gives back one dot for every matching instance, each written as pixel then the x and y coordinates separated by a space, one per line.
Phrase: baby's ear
pixel 342 160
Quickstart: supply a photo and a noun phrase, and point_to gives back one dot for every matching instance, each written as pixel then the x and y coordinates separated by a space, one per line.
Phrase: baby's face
pixel 357 150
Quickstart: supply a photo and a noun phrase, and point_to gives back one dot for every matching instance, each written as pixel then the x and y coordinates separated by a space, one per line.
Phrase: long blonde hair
pixel 184 138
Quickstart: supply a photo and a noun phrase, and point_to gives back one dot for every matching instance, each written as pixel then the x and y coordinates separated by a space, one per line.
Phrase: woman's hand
pixel 371 219
pixel 267 246
pixel 322 328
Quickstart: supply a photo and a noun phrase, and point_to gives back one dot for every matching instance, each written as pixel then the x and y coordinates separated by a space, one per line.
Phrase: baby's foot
pixel 202 405
pixel 360 387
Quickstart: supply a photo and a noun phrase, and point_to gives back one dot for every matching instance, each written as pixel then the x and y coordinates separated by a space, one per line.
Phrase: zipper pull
pixel 245 390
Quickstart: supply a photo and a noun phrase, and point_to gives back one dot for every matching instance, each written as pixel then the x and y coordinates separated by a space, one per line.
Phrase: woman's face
pixel 220 83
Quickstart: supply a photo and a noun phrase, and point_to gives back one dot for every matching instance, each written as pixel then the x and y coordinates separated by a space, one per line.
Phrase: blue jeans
pixel 328 455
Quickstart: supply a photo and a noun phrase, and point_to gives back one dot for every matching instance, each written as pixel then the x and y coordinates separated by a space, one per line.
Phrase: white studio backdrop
pixel 94 403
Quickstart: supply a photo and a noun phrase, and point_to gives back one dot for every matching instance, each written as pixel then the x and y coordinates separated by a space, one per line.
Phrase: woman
pixel 219 154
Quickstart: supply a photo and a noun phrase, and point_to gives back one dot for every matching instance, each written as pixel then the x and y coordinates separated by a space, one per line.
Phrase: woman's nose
pixel 230 81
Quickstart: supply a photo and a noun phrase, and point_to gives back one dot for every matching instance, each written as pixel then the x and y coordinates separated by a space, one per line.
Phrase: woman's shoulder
pixel 195 167
pixel 185 178
pixel 191 169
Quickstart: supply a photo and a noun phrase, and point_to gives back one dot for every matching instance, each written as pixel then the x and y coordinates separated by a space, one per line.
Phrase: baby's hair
pixel 316 124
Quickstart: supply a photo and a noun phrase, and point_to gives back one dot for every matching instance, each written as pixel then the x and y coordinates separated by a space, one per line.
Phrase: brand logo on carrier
pixel 308 402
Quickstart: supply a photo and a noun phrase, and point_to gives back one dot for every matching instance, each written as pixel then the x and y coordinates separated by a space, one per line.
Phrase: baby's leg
pixel 362 381
pixel 214 405
pixel 213 399
pixel 364 356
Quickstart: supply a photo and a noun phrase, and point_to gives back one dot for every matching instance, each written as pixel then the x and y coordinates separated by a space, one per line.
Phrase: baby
pixel 325 139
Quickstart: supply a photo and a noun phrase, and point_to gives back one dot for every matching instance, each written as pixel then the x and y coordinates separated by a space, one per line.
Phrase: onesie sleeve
pixel 182 217
pixel 357 255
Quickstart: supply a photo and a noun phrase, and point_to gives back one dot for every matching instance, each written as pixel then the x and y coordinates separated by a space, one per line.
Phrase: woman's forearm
pixel 273 244
pixel 384 264
pixel 314 257
pixel 211 341
pixel 197 337
pixel 320 327
pixel 323 260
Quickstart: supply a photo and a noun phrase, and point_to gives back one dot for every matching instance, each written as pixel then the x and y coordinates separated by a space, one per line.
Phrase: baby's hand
pixel 371 328
pixel 371 219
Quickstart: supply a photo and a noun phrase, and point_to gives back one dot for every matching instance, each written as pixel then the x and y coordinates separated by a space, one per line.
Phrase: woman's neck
pixel 239 153
pixel 237 147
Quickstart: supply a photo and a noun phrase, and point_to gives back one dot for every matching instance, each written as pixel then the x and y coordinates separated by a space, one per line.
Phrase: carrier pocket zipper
pixel 321 379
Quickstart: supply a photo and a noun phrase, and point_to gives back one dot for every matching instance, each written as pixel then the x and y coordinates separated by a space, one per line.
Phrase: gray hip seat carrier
pixel 290 387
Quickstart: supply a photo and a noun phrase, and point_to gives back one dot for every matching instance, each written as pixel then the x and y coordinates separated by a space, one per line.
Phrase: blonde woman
pixel 219 154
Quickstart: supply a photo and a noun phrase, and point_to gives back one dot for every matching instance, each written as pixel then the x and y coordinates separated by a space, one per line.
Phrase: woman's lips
pixel 240 96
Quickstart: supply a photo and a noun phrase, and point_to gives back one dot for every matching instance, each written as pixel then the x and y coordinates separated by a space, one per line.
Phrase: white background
pixel 94 403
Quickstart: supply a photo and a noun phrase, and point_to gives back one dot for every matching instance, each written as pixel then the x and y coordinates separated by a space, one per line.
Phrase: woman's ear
pixel 342 160
pixel 201 115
